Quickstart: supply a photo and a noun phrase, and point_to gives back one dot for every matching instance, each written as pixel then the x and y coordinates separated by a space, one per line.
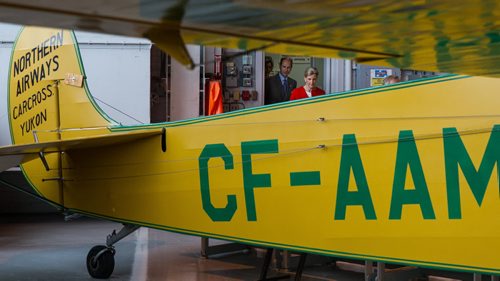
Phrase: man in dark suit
pixel 279 86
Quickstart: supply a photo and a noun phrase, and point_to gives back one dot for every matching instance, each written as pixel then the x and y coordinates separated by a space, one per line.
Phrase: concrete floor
pixel 47 248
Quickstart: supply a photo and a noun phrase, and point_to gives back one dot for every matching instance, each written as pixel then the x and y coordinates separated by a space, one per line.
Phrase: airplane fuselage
pixel 401 173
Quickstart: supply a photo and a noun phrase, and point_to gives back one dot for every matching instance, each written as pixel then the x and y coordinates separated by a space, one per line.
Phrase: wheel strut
pixel 126 230
pixel 101 259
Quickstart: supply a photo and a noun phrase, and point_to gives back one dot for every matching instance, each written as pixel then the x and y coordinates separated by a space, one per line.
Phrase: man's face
pixel 285 67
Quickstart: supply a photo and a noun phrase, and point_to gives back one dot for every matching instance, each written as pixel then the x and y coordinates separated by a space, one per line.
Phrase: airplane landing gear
pixel 101 259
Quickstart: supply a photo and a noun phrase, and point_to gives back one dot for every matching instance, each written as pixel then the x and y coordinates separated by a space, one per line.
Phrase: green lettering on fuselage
pixel 455 155
pixel 351 158
pixel 407 155
pixel 250 180
pixel 212 151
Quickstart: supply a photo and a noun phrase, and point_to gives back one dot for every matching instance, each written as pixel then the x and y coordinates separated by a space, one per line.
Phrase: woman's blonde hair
pixel 310 71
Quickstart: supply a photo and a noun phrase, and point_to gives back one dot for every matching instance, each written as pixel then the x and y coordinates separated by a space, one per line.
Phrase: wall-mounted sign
pixel 377 76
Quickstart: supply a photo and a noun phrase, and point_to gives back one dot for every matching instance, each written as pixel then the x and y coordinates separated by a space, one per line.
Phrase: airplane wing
pixel 443 36
pixel 13 155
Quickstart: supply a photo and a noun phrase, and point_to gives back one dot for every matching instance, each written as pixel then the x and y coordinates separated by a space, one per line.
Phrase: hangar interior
pixel 135 82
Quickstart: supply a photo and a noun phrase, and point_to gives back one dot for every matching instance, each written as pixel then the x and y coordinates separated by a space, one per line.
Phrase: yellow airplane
pixel 401 173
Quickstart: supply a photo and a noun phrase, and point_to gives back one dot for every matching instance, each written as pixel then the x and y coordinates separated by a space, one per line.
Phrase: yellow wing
pixel 455 37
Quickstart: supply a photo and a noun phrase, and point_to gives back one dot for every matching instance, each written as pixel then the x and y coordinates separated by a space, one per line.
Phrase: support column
pixel 185 88
pixel 338 75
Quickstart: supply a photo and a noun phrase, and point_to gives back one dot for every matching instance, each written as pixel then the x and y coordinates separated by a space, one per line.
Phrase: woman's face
pixel 311 81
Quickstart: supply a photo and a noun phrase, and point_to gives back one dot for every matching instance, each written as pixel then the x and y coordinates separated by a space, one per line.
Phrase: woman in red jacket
pixel 309 89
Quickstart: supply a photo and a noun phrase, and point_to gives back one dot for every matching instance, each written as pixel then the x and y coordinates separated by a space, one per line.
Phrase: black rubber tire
pixel 105 264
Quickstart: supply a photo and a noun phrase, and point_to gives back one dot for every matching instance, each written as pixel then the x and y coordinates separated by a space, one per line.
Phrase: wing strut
pixel 41 154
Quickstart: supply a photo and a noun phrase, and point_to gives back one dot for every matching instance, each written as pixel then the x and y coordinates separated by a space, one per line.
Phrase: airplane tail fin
pixel 50 109
pixel 48 97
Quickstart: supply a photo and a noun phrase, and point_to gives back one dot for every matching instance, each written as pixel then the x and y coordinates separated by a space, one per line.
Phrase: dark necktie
pixel 285 86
